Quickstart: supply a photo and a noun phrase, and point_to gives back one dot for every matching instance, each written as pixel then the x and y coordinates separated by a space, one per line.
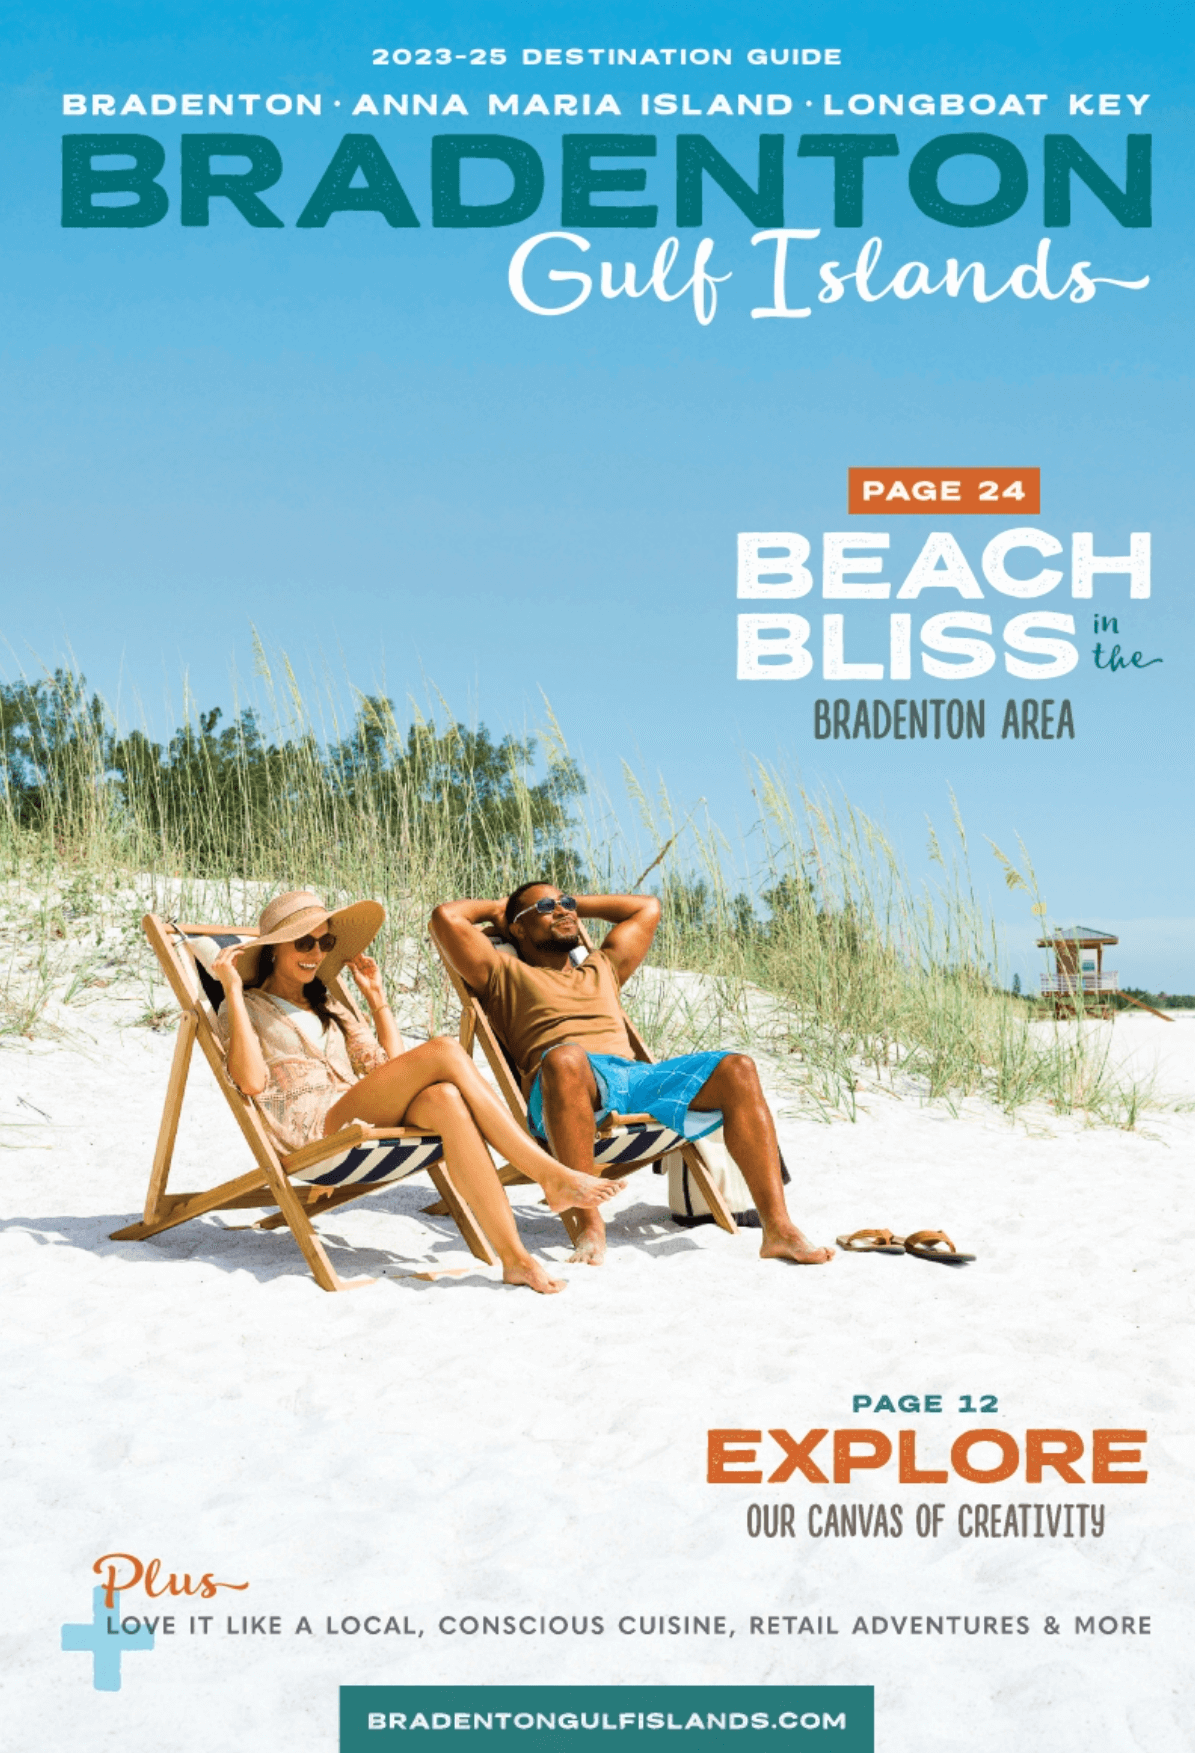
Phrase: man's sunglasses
pixel 547 904
pixel 325 943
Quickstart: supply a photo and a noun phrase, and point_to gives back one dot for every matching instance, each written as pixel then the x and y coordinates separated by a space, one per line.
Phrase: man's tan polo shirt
pixel 533 1009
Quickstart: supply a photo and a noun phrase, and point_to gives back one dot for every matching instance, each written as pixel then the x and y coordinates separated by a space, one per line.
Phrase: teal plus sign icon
pixel 105 1640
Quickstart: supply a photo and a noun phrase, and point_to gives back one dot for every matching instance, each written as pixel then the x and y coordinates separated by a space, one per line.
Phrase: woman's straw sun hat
pixel 302 913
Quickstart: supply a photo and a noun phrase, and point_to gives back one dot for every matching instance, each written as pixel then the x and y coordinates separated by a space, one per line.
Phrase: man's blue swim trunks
pixel 630 1086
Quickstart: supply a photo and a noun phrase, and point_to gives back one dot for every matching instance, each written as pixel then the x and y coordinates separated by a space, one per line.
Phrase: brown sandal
pixel 926 1244
pixel 871 1242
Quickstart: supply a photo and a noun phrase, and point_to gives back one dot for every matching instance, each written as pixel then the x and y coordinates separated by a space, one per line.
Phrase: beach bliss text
pixel 953 645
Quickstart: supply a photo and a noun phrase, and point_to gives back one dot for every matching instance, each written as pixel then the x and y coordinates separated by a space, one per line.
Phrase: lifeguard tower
pixel 1080 978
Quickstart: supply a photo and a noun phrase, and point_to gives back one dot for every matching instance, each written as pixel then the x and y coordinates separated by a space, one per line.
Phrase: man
pixel 562 1024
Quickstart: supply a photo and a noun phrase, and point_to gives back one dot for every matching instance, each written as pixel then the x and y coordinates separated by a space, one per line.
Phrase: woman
pixel 312 1066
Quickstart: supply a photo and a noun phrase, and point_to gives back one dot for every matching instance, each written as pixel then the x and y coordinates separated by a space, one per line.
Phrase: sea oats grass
pixel 807 942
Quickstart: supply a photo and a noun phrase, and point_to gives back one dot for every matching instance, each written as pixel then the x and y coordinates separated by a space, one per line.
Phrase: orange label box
pixel 962 492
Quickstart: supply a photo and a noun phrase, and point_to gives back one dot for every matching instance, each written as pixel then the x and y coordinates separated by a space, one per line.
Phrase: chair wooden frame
pixel 475 1026
pixel 268 1183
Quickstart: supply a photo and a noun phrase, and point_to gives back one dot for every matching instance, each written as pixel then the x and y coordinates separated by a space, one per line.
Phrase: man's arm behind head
pixel 454 925
pixel 635 920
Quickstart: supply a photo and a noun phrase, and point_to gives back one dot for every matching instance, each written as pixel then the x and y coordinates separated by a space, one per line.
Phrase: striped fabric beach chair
pixel 351 1163
pixel 624 1142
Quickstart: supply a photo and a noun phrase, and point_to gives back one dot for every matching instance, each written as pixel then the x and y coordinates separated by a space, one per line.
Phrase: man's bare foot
pixel 569 1189
pixel 529 1272
pixel 589 1240
pixel 791 1245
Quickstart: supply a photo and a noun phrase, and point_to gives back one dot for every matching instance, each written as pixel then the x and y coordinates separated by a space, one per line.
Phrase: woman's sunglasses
pixel 325 943
pixel 547 904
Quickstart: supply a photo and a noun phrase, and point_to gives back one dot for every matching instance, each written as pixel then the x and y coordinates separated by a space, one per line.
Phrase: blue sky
pixel 354 439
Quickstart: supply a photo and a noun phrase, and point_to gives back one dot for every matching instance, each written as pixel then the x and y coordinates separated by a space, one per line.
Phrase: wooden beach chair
pixel 624 1142
pixel 351 1163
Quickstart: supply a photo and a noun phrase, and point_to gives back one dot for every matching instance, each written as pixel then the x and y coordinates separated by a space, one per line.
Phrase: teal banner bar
pixel 625 1719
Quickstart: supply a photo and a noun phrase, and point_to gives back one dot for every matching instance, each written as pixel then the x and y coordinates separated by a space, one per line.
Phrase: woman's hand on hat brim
pixel 225 969
pixel 368 976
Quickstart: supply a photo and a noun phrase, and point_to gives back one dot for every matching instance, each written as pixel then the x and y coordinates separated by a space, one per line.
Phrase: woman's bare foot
pixel 529 1272
pixel 569 1189
pixel 589 1239
pixel 791 1244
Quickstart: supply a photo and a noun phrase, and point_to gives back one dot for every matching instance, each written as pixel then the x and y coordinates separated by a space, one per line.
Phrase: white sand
pixel 444 1448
